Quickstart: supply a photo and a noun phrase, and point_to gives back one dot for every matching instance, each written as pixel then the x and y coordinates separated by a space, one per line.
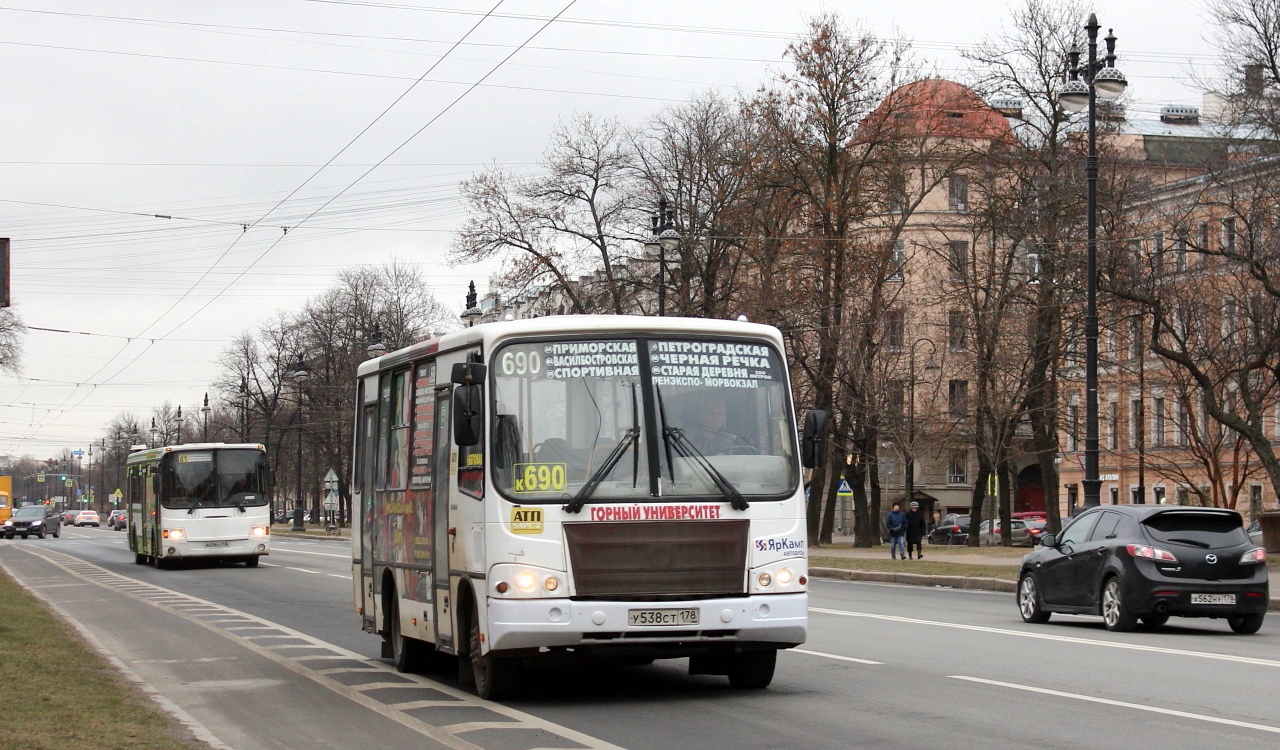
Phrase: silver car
pixel 1020 534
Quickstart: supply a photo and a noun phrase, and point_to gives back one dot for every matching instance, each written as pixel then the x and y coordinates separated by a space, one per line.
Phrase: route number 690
pixel 521 363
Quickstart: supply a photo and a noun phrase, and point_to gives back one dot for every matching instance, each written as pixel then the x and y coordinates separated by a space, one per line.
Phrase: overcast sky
pixel 221 115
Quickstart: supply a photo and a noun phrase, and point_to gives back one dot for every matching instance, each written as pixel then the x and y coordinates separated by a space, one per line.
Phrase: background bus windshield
pixel 214 478
pixel 562 408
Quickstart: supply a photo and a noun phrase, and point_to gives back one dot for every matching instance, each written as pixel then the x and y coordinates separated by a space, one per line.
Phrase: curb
pixel 953 582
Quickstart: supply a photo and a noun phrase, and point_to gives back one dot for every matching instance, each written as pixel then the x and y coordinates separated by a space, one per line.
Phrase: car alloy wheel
pixel 1114 613
pixel 1029 601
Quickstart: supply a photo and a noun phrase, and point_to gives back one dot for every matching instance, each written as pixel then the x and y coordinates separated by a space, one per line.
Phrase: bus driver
pixel 707 431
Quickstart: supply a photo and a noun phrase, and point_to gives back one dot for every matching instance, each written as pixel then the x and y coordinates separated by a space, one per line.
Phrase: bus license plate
pixel 642 617
pixel 215 544
pixel 1213 598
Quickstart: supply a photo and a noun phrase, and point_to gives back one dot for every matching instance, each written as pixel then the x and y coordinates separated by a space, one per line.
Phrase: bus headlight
pixel 176 535
pixel 260 531
pixel 781 577
pixel 523 581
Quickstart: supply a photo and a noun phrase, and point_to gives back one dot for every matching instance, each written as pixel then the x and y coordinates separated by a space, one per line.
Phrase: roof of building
pixel 941 108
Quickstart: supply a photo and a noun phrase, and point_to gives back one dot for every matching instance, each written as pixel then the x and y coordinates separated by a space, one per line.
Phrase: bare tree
pixel 11 332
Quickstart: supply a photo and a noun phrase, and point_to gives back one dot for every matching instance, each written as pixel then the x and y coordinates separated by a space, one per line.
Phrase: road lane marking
pixel 302 570
pixel 834 656
pixel 268 565
pixel 1050 637
pixel 339 575
pixel 1122 704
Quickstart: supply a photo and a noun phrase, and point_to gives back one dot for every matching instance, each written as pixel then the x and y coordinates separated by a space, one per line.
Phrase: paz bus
pixel 198 501
pixel 552 489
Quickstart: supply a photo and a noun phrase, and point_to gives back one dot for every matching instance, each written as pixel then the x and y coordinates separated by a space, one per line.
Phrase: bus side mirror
pixel 467 373
pixel 468 414
pixel 813 446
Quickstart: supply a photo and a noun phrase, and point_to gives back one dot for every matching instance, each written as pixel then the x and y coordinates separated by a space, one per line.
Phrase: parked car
pixel 87 518
pixel 952 529
pixel 1030 515
pixel 1141 562
pixel 69 517
pixel 40 520
pixel 117 520
pixel 1022 533
pixel 1255 533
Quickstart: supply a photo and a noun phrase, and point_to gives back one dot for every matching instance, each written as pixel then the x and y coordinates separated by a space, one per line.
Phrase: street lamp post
pixel 178 419
pixel 1096 78
pixel 299 377
pixel 243 399
pixel 155 433
pixel 664 240
pixel 204 412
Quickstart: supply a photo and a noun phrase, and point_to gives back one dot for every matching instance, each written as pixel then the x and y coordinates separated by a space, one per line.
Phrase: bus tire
pixel 752 670
pixel 160 563
pixel 139 559
pixel 495 677
pixel 251 561
pixel 406 651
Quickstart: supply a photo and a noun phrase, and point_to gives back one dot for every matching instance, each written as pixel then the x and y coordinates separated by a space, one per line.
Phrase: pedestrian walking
pixel 896 524
pixel 915 530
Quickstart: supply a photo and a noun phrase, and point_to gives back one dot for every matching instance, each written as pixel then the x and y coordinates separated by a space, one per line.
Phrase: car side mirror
pixel 1047 540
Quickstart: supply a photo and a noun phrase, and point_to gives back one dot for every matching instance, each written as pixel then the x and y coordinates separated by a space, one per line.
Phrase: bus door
pixel 440 516
pixel 368 451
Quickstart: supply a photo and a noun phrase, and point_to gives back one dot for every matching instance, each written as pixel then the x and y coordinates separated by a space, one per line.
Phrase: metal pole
pixel 298 508
pixel 1092 484
pixel 1142 413
pixel 662 260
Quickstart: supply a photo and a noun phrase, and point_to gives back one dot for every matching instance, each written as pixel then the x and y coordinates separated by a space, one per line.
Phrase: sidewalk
pixel 937 553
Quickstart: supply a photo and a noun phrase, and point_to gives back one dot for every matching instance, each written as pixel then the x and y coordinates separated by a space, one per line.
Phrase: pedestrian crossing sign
pixel 845 490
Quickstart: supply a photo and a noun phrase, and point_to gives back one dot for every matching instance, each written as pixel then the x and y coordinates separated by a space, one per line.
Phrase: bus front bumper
pixel 215 548
pixel 780 619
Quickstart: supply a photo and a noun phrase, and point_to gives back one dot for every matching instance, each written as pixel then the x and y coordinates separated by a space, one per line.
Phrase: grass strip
pixel 925 567
pixel 60 693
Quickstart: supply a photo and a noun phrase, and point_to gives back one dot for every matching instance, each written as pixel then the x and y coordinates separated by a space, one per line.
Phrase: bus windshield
pixel 565 409
pixel 214 478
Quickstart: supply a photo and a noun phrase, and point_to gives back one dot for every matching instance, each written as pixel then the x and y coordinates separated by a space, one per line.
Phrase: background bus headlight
pixel 176 535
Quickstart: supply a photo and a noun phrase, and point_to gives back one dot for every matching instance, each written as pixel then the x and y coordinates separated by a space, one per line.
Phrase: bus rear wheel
pixel 139 559
pixel 752 670
pixel 251 561
pixel 495 677
pixel 407 652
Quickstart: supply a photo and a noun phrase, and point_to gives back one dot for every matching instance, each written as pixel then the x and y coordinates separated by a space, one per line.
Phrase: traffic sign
pixel 69 482
pixel 77 453
pixel 39 477
pixel 844 490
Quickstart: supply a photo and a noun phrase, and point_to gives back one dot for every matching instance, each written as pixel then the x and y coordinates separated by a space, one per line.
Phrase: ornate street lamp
pixel 299 377
pixel 204 413
pixel 1095 78
pixel 664 241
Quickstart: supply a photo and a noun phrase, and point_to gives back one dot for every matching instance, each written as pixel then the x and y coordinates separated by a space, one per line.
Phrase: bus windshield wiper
pixel 674 436
pixel 630 439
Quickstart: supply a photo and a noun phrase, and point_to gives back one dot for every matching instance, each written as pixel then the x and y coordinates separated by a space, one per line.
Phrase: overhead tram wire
pixel 281 202
pixel 447 108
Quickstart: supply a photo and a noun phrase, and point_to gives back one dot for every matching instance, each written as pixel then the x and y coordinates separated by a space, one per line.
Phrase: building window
pixel 1115 495
pixel 1183 427
pixel 1135 420
pixel 1180 254
pixel 1229 235
pixel 958 398
pixel 958 467
pixel 1157 421
pixel 895 393
pixel 1073 427
pixel 1135 338
pixel 1034 268
pixel 1157 253
pixel 1113 422
pixel 1157 494
pixel 1229 321
pixel 1181 496
pixel 895 328
pixel 897 260
pixel 959 260
pixel 1202 242
pixel 958 194
pixel 897 186
pixel 957 331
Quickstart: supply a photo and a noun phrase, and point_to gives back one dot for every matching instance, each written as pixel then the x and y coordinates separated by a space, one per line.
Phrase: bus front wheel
pixel 251 561
pixel 139 559
pixel 495 677
pixel 752 670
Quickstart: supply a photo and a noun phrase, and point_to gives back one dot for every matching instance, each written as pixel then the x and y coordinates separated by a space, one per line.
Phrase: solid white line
pixel 268 565
pixel 339 575
pixel 834 656
pixel 1123 704
pixel 1058 638
pixel 303 570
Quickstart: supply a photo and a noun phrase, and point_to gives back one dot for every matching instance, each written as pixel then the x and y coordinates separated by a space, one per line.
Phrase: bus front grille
pixel 658 559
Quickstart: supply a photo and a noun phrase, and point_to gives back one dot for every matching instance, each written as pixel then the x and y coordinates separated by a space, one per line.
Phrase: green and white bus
pixel 198 501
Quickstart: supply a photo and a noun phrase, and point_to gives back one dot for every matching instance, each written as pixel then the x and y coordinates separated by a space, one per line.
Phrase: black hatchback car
pixel 37 520
pixel 953 528
pixel 1143 562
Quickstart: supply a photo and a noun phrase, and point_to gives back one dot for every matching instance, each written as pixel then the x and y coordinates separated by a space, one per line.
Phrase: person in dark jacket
pixel 915 530
pixel 896 524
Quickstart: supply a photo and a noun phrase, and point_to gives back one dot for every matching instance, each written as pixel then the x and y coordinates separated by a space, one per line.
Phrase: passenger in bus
pixel 707 432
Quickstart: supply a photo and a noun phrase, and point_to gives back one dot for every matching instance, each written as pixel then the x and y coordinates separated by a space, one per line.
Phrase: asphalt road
pixel 885 666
